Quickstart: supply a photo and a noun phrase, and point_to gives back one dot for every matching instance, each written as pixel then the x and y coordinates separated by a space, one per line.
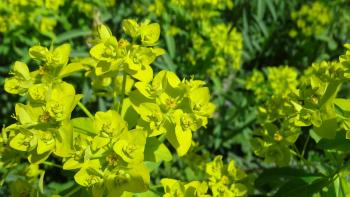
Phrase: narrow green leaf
pixel 262 26
pixel 261 9
pixel 170 43
pixel 75 33
pixel 272 9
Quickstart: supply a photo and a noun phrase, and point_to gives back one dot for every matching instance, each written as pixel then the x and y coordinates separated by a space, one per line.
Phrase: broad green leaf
pixel 339 143
pixel 151 166
pixel 64 140
pixel 61 54
pixel 71 164
pixel 35 158
pixel 180 139
pixel 104 32
pixel 330 94
pixel 26 114
pixel 20 142
pixel 38 52
pixel 302 188
pixel 275 177
pixel 131 28
pixel 129 114
pixel 144 74
pixel 343 106
pixel 21 70
pixel 156 151
pixel 84 125
pixel 328 128
pixel 149 33
pixel 70 69
pixel 140 176
pixel 329 125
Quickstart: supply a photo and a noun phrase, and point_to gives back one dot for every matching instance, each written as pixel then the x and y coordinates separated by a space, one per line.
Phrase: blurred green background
pixel 219 41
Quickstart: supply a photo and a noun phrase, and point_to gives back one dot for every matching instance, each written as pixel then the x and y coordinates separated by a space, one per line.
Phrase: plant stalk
pixel 123 92
pixel 85 110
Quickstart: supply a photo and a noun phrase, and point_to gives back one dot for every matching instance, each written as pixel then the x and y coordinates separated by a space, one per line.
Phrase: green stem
pixel 305 145
pixel 85 110
pixel 72 191
pixel 4 134
pixel 52 164
pixel 341 188
pixel 331 92
pixel 123 92
pixel 298 154
pixel 115 103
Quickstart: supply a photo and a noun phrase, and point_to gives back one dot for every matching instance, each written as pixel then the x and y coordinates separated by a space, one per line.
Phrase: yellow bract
pixel 108 150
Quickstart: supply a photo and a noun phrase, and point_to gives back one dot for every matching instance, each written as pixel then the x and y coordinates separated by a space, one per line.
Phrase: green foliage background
pixel 266 31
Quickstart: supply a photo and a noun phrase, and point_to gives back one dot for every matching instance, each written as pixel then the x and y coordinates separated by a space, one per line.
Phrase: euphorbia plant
pixel 313 103
pixel 107 150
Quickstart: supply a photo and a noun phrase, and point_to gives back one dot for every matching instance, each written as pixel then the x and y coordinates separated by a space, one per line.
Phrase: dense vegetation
pixel 175 98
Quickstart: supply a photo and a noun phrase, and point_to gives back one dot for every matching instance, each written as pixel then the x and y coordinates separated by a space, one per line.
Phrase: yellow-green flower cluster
pixel 317 103
pixel 216 46
pixel 219 42
pixel 43 15
pixel 112 56
pixel 25 186
pixel 174 108
pixel 165 104
pixel 37 13
pixel 203 9
pixel 292 105
pixel 197 9
pixel 273 141
pixel 276 133
pixel 157 7
pixel 311 19
pixel 110 159
pixel 8 157
pixel 42 124
pixel 89 7
pixel 280 81
pixel 106 150
pixel 223 181
pixel 173 187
